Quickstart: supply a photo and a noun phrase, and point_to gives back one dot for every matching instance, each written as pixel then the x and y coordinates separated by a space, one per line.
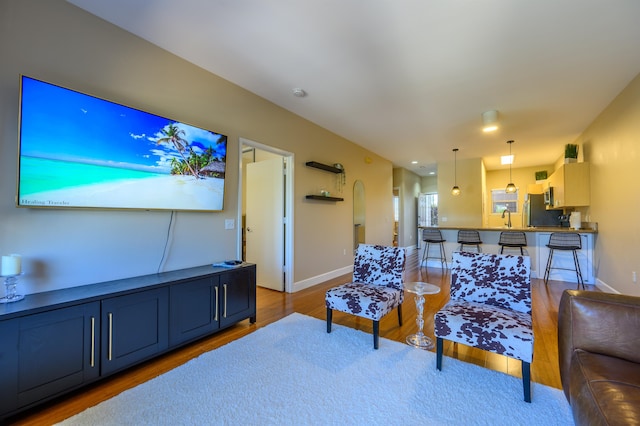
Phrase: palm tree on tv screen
pixel 174 135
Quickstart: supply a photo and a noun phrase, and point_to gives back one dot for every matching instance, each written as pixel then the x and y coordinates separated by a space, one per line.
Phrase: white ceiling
pixel 409 79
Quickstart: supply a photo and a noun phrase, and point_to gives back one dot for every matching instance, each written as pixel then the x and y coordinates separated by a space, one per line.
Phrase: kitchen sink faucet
pixel 508 212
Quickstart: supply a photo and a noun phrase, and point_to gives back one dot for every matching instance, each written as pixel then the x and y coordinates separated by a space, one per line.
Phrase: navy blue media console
pixel 54 342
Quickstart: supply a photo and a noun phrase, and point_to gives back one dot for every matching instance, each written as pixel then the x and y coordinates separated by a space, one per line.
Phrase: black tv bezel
pixel 177 208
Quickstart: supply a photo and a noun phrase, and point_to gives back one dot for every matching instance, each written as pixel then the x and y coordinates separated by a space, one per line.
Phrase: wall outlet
pixel 229 223
pixel 444 219
pixel 634 277
pixel 344 252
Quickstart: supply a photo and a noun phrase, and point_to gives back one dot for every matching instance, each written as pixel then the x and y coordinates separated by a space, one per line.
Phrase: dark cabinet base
pixel 49 349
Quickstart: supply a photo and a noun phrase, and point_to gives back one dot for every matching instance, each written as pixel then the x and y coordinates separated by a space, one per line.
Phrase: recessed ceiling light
pixel 506 159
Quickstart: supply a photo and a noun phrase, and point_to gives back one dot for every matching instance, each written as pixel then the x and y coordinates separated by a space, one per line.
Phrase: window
pixel 428 209
pixel 396 208
pixel 500 200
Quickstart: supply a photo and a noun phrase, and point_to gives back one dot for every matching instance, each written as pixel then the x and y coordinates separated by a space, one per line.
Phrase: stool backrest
pixel 566 240
pixel 469 236
pixel 513 238
pixel 431 235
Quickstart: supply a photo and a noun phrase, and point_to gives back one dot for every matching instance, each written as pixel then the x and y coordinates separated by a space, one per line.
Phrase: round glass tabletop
pixel 421 288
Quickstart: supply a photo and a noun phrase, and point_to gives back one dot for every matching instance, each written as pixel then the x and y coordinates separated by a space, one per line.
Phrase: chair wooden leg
pixel 376 334
pixel 526 380
pixel 329 318
pixel 439 345
pixel 400 314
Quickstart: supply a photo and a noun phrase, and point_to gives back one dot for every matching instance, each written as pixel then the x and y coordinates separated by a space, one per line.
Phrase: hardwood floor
pixel 273 306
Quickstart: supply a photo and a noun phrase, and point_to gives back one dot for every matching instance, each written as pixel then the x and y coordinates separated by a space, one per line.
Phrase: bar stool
pixel 434 236
pixel 469 238
pixel 512 239
pixel 567 241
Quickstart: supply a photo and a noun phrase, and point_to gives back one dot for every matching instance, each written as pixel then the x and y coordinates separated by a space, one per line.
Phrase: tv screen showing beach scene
pixel 80 151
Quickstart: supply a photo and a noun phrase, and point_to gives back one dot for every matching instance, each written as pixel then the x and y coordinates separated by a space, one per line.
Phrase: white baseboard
pixel 410 249
pixel 602 286
pixel 310 282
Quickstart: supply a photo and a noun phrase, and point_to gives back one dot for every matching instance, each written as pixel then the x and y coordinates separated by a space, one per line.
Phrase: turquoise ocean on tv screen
pixel 42 174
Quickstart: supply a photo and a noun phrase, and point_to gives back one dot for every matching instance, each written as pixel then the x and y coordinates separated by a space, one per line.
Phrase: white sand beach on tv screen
pixel 177 192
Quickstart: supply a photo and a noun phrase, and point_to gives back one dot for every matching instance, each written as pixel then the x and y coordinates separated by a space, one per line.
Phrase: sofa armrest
pixel 603 323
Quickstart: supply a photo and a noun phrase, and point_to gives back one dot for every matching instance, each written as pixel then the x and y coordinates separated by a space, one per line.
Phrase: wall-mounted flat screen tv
pixel 79 151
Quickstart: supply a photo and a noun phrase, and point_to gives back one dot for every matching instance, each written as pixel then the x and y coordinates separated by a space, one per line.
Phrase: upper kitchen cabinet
pixel 571 187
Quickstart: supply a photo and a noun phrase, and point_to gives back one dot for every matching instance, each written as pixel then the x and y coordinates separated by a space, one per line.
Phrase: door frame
pixel 288 210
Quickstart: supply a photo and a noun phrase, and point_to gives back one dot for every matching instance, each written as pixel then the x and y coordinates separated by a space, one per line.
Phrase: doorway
pixel 265 212
pixel 359 215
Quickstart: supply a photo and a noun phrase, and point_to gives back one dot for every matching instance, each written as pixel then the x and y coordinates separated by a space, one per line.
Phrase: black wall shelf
pixel 324 167
pixel 323 198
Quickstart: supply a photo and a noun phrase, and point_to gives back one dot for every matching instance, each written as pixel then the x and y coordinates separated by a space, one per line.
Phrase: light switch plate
pixel 229 224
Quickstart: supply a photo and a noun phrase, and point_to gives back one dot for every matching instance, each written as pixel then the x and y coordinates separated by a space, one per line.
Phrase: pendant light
pixel 511 188
pixel 455 190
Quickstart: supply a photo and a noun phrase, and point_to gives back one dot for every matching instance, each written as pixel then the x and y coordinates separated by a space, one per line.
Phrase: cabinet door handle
pixel 110 315
pixel 93 341
pixel 224 312
pixel 215 318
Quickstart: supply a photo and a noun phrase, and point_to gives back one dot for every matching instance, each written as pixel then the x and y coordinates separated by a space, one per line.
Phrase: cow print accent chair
pixel 376 287
pixel 489 308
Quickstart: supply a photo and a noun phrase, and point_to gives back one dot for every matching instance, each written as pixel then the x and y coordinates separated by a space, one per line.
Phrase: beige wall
pixel 612 145
pixel 429 184
pixel 408 184
pixel 465 209
pixel 57 42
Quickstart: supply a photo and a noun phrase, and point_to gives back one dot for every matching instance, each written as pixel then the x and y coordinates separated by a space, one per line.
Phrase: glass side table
pixel 419 340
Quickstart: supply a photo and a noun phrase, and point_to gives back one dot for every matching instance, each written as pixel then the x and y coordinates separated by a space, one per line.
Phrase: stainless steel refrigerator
pixel 535 213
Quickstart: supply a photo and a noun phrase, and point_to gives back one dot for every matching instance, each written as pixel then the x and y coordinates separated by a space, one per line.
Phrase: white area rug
pixel 293 373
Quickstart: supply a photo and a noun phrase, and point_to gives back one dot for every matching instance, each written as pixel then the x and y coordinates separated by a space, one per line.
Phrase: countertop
pixel 504 228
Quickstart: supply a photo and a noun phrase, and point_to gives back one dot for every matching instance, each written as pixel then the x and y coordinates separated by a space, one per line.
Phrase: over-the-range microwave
pixel 548 197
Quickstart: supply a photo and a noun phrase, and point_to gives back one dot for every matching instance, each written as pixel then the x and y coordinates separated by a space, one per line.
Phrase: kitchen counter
pixel 504 228
pixel 536 249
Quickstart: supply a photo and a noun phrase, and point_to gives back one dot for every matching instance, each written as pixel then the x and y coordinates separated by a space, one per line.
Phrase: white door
pixel 265 221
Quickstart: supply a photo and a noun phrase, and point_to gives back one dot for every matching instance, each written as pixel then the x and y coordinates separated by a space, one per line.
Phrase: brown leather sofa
pixel 599 351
